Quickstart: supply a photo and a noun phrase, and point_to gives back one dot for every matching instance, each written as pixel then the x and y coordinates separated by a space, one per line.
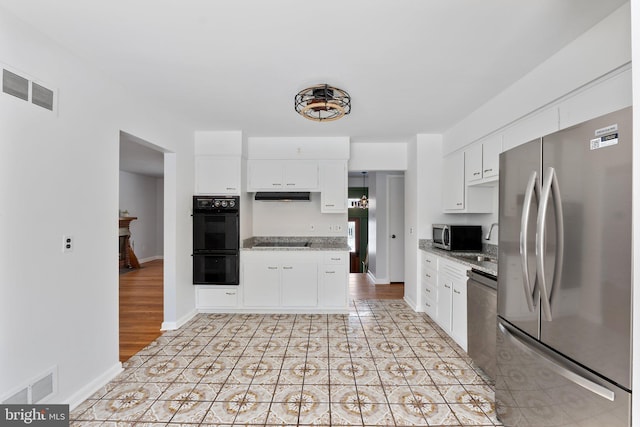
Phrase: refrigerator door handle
pixel 512 335
pixel 550 188
pixel 532 188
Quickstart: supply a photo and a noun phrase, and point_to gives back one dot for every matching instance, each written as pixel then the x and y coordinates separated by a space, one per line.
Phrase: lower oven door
pixel 216 269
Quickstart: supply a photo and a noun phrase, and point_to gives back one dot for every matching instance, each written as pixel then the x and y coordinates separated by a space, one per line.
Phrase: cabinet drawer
pixel 429 290
pixel 336 258
pixel 429 307
pixel 216 297
pixel 452 270
pixel 429 260
pixel 429 275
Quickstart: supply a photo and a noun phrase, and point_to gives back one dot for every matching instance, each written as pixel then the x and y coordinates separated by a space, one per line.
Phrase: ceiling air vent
pixel 15 85
pixel 18 86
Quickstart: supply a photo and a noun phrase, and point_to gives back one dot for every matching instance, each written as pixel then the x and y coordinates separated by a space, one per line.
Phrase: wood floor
pixel 141 307
pixel 141 303
pixel 362 287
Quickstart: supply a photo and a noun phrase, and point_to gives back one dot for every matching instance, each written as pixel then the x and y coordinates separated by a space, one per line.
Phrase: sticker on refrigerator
pixel 604 141
pixel 606 130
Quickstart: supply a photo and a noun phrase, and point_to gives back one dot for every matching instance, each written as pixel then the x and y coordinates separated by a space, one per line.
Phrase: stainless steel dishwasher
pixel 481 320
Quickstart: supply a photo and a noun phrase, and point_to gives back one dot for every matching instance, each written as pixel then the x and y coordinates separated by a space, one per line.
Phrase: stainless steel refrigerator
pixel 564 285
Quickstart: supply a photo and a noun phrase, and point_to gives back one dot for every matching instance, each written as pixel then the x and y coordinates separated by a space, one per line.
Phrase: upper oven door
pixel 216 231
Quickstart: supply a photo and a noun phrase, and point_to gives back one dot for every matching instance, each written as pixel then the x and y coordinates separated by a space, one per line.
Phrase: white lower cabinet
pixel 294 279
pixel 334 280
pixel 429 283
pixel 299 282
pixel 444 294
pixel 216 297
pixel 261 280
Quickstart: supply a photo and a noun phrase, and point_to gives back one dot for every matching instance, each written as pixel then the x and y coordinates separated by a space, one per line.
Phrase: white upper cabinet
pixel 283 175
pixel 482 160
pixel 333 186
pixel 457 195
pixel 453 181
pixel 217 175
pixel 217 162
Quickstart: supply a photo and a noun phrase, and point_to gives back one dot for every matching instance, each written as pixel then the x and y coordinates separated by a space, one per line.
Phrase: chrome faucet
pixel 488 236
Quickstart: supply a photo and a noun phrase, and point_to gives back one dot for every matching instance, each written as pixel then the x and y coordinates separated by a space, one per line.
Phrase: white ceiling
pixel 411 66
pixel 138 156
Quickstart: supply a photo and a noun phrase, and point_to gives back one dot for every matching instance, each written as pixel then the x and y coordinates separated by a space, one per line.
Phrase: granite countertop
pixel 467 258
pixel 315 243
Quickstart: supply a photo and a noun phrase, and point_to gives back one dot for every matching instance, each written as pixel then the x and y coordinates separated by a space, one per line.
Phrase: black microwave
pixel 457 237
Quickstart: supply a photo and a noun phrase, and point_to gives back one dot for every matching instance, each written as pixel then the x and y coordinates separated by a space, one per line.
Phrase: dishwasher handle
pixel 483 278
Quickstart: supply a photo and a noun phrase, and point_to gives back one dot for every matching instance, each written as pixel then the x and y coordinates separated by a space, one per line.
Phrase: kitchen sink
pixel 478 258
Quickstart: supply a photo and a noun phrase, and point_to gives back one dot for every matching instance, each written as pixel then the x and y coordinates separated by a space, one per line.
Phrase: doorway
pixel 395 188
pixel 141 202
pixel 357 231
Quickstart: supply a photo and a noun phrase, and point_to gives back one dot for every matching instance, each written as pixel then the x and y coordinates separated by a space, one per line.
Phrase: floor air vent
pixel 36 391
pixel 26 89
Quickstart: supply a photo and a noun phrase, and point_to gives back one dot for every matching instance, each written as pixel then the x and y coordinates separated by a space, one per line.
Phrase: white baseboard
pixel 85 392
pixel 151 258
pixel 412 304
pixel 170 326
pixel 377 280
pixel 371 276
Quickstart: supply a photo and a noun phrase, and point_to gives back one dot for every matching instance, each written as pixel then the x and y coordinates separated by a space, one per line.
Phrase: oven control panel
pixel 201 203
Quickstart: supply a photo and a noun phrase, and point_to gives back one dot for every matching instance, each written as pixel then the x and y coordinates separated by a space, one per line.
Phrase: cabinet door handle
pixel 476 173
pixel 457 292
pixel 428 290
pixel 230 293
pixel 291 184
pixel 329 206
pixel 447 286
pixel 272 268
pixel 488 170
pixel 276 185
pixel 459 204
pixel 428 260
pixel 231 188
pixel 427 304
pixel 335 259
pixel 287 268
pixel 428 276
pixel 330 272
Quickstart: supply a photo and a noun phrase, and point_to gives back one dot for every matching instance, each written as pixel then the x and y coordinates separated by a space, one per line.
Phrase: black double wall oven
pixel 216 240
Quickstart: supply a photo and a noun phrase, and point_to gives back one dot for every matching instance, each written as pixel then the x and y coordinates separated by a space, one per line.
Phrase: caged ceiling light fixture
pixel 322 103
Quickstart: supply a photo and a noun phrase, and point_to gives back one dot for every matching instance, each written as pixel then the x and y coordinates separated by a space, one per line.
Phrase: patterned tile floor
pixel 382 364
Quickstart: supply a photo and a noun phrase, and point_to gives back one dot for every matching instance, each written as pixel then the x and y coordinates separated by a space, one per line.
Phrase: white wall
pixel 589 77
pixel 296 219
pixel 378 156
pixel 61 310
pixel 600 50
pixel 139 195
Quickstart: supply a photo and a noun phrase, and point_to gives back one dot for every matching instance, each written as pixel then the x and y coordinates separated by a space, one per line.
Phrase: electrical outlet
pixel 67 243
pixel 312 227
pixel 337 227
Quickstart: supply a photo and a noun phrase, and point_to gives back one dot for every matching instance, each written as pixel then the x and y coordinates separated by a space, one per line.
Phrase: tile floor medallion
pixel 380 365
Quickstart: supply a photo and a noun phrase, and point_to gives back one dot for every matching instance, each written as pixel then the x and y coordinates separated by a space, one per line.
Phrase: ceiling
pixel 138 156
pixel 410 66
